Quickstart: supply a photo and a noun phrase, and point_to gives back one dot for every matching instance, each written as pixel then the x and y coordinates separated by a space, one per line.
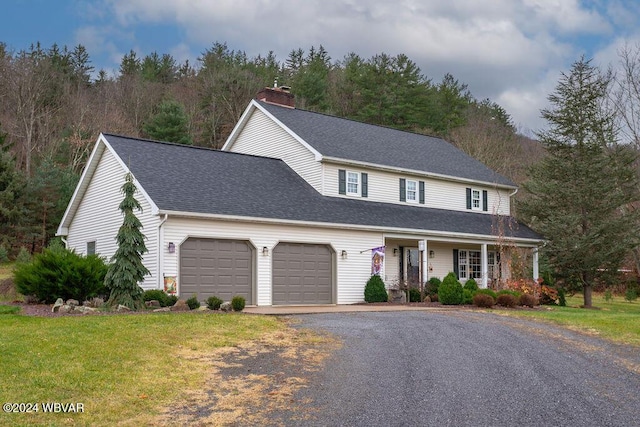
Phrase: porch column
pixel 536 266
pixel 485 266
pixel 424 266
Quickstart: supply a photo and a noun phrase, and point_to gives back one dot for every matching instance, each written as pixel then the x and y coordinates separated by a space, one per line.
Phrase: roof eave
pixel 341 161
pixel 437 234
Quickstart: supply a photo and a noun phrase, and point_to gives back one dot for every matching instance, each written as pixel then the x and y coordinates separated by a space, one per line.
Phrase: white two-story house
pixel 300 208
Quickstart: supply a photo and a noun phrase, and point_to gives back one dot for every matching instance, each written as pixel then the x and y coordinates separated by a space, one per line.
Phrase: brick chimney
pixel 277 95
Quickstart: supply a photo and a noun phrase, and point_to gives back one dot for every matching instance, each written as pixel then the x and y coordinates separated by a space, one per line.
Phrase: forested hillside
pixel 54 104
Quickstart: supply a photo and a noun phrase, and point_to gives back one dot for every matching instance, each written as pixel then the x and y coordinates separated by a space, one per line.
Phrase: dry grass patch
pixel 254 382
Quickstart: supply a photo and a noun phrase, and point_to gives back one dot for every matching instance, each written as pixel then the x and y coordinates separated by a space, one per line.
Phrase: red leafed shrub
pixel 524 286
pixel 483 300
pixel 528 300
pixel 507 300
pixel 548 295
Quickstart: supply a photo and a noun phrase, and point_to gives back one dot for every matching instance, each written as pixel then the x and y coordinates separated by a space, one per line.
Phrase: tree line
pixel 54 104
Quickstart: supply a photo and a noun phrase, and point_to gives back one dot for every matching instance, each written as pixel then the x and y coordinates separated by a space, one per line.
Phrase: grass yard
pixel 617 320
pixel 124 369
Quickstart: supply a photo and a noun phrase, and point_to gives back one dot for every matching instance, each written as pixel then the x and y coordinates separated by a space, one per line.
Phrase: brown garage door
pixel 219 267
pixel 302 274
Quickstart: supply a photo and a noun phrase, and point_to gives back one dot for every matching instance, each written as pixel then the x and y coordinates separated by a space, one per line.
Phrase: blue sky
pixel 509 51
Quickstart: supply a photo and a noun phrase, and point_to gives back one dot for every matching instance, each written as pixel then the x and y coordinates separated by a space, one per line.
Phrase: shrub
pixel 193 302
pixel 483 300
pixel 631 294
pixel 507 300
pixel 467 296
pixel 4 254
pixel 237 303
pixel 562 297
pixel 471 285
pixel 171 300
pixel 61 273
pixel 548 295
pixel 607 295
pixel 515 294
pixel 414 295
pixel 374 290
pixel 528 300
pixel 214 303
pixel 489 292
pixel 434 298
pixel 158 295
pixel 23 256
pixel 432 286
pixel 450 290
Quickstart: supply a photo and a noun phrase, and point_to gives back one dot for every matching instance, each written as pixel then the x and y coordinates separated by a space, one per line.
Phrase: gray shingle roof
pixel 351 140
pixel 198 180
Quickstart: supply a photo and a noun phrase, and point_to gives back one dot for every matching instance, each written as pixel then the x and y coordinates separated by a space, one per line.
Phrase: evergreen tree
pixel 126 269
pixel 169 124
pixel 579 193
pixel 11 185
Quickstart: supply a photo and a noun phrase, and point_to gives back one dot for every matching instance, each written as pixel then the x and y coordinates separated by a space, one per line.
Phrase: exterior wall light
pixel 265 251
pixel 172 247
pixel 343 254
pixel 432 254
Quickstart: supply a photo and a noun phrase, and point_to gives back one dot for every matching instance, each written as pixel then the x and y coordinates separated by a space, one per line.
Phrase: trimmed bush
pixel 434 298
pixel 193 302
pixel 450 290
pixel 414 295
pixel 374 290
pixel 237 303
pixel 483 300
pixel 158 295
pixel 171 300
pixel 471 285
pixel 432 286
pixel 528 300
pixel 61 273
pixel 507 300
pixel 515 294
pixel 214 303
pixel 631 294
pixel 23 256
pixel 467 296
pixel 489 292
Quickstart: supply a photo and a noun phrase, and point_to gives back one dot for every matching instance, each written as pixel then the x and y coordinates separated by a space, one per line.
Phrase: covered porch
pixel 413 260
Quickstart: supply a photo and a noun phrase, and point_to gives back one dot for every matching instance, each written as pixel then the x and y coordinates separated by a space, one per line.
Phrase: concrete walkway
pixel 332 308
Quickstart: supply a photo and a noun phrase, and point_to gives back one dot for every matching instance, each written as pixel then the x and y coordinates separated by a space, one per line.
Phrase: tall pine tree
pixel 126 269
pixel 580 191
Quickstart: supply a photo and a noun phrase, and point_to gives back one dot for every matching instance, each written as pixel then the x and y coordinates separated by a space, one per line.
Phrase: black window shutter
pixel 365 184
pixel 468 198
pixel 456 266
pixel 485 201
pixel 403 190
pixel 421 196
pixel 342 181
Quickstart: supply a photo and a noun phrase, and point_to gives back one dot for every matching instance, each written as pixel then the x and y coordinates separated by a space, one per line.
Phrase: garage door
pixel 302 274
pixel 219 267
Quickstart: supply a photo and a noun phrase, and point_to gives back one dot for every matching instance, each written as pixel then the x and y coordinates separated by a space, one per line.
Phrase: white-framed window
pixel 353 182
pixel 91 248
pixel 476 202
pixel 470 264
pixel 412 191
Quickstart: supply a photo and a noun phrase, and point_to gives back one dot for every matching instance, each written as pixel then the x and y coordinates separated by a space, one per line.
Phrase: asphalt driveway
pixel 466 369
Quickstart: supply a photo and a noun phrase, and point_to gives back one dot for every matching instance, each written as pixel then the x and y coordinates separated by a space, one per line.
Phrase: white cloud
pixel 504 50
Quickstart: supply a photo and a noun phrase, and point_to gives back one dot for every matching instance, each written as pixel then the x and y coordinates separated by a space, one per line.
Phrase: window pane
pixel 353 179
pixel 475 198
pixel 91 248
pixel 475 264
pixel 412 192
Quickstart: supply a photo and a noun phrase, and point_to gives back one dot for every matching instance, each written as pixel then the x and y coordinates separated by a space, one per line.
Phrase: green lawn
pixel 617 320
pixel 124 369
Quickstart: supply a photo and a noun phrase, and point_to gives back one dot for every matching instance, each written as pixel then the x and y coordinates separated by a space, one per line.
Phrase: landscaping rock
pixel 95 302
pixel 226 306
pixel 65 309
pixel 152 303
pixel 73 302
pixel 56 307
pixel 85 309
pixel 161 310
pixel 122 308
pixel 180 305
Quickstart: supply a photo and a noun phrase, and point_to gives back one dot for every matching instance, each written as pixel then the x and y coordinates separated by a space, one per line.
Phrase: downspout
pixel 160 250
pixel 66 244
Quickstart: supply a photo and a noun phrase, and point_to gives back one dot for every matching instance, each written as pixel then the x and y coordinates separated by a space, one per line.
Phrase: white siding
pixel 385 187
pixel 98 217
pixel 262 137
pixel 352 273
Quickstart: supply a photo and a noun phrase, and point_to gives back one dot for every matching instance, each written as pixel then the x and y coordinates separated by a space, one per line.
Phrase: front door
pixel 411 267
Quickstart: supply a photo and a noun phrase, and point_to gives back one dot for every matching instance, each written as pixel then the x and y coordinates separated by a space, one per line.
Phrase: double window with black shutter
pixel 353 183
pixel 411 191
pixel 477 200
